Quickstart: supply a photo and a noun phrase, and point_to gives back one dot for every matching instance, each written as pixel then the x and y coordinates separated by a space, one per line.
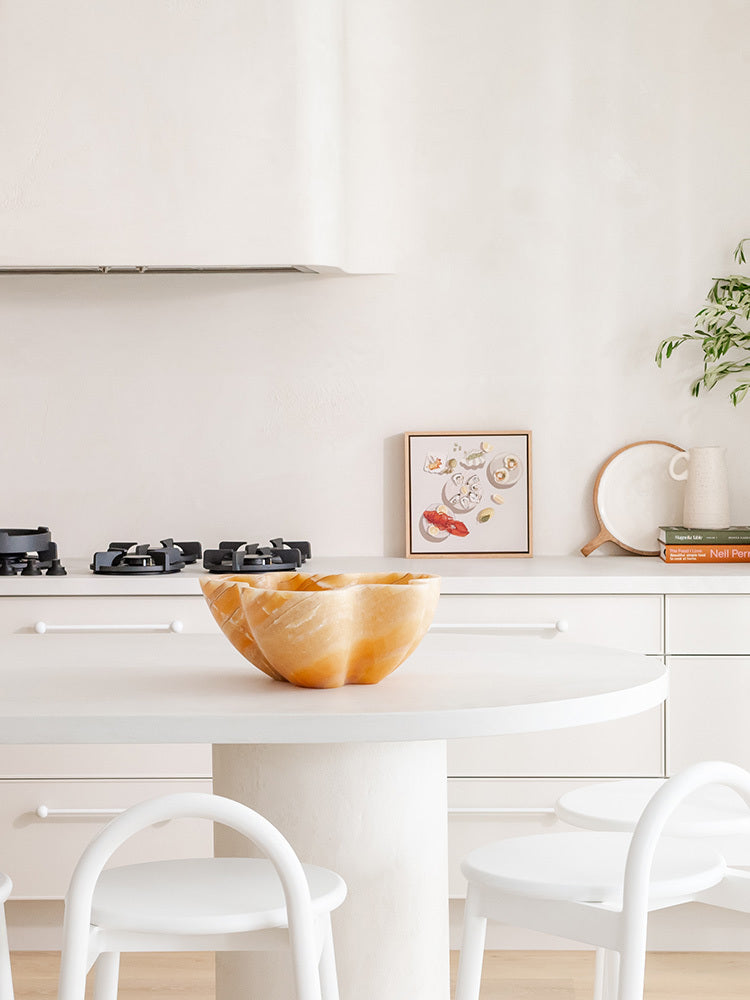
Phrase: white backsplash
pixel 569 184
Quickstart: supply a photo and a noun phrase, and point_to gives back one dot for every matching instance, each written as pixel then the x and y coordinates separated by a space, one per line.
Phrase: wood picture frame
pixel 468 494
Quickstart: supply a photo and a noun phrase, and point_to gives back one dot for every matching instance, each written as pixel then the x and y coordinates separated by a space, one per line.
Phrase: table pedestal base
pixel 377 814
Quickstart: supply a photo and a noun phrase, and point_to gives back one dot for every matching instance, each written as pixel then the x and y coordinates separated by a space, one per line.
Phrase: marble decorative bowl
pixel 324 631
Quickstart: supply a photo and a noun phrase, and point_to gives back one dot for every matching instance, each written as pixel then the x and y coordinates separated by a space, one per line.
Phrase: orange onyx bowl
pixel 324 631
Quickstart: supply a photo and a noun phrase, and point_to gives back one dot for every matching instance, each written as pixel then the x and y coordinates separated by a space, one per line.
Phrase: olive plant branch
pixel 721 325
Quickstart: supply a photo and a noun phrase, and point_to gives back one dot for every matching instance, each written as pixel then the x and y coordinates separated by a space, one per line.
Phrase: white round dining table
pixel 355 777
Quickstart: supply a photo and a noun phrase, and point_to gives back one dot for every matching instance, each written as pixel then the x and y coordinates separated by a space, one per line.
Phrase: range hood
pixel 140 138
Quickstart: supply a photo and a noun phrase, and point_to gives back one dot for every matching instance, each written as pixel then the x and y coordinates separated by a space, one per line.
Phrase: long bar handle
pixel 560 625
pixel 503 810
pixel 42 628
pixel 43 812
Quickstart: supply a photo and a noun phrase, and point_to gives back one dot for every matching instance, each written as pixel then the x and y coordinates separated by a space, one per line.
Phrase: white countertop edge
pixel 538 575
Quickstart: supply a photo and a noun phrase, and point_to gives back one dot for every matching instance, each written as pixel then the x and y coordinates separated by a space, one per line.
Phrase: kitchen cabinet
pixel 47 824
pixel 626 747
pixel 182 134
pixel 44 615
pixel 41 615
pixel 500 786
pixel 711 624
pixel 54 799
pixel 709 658
pixel 625 621
pixel 708 710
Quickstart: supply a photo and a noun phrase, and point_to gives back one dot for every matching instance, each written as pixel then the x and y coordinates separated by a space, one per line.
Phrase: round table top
pixel 198 689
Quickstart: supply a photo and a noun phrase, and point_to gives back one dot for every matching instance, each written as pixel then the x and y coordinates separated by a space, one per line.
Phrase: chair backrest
pixel 643 844
pixel 198 805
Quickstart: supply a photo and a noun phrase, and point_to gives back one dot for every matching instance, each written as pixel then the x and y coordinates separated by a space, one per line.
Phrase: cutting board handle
pixel 601 538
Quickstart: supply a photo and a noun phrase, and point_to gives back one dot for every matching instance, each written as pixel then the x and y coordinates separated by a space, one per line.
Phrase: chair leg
pixel 471 956
pixel 329 984
pixel 632 964
pixel 631 980
pixel 611 968
pixel 106 976
pixel 599 961
pixel 6 983
pixel 606 971
pixel 74 961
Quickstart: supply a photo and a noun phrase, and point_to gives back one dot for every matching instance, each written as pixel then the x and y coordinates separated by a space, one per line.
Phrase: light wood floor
pixel 508 975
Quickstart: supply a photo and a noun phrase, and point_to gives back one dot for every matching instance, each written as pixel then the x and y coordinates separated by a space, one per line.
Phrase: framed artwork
pixel 468 494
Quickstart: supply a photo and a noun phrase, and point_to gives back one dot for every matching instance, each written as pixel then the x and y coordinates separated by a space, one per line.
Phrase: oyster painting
pixel 468 494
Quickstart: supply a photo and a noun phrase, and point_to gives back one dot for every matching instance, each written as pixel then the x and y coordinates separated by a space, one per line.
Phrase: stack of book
pixel 704 545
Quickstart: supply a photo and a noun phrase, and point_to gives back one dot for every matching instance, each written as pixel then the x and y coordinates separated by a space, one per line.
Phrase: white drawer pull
pixel 43 812
pixel 504 810
pixel 559 626
pixel 41 628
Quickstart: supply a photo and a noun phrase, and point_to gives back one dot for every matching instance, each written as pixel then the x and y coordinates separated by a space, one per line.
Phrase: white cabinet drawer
pixel 77 760
pixel 107 613
pixel 630 622
pixel 627 748
pixel 707 713
pixel 710 623
pixel 40 854
pixel 483 810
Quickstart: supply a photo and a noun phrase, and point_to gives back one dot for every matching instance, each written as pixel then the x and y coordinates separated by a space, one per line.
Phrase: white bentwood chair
pixel 6 982
pixel 203 904
pixel 714 814
pixel 598 887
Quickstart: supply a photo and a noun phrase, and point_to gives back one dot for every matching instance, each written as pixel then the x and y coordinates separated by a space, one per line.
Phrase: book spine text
pixel 705 553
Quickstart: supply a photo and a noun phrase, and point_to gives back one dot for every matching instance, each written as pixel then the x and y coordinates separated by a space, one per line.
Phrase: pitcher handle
pixel 673 462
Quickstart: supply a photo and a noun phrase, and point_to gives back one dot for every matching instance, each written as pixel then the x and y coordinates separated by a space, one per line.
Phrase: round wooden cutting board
pixel 633 495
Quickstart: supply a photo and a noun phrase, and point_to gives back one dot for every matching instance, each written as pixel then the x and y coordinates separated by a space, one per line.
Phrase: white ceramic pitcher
pixel 706 503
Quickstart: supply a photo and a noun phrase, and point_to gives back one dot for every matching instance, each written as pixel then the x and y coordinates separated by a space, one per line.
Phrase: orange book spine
pixel 705 553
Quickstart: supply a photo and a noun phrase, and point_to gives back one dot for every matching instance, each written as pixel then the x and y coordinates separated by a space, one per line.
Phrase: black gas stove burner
pixel 28 551
pixel 123 558
pixel 244 557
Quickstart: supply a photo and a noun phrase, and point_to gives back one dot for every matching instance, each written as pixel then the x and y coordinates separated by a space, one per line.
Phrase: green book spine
pixel 675 535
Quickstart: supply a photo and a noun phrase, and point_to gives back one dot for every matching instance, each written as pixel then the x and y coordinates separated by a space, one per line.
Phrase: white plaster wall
pixel 570 176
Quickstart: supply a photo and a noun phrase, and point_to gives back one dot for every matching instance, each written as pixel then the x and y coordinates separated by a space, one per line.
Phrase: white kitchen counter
pixel 539 575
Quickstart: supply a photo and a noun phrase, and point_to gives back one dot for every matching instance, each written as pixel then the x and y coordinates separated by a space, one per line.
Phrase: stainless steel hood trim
pixel 162 269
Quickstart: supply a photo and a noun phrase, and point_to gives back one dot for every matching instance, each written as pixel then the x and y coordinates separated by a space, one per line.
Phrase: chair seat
pixel 203 896
pixel 712 811
pixel 589 867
